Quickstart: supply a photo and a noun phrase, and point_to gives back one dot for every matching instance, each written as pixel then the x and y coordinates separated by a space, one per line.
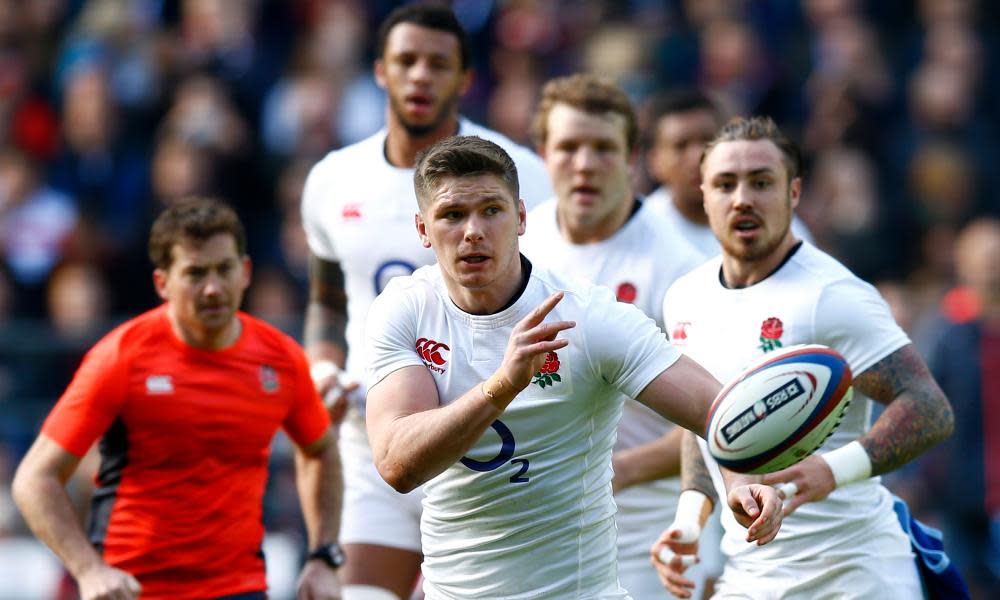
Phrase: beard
pixel 416 130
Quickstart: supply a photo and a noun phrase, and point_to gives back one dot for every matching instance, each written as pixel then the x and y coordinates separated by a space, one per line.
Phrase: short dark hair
pixel 678 100
pixel 588 93
pixel 432 15
pixel 759 128
pixel 461 156
pixel 195 219
pixel 681 99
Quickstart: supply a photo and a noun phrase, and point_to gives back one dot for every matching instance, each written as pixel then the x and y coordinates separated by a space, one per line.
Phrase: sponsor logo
pixel 680 333
pixel 548 374
pixel 760 409
pixel 432 353
pixel 269 379
pixel 626 292
pixel 770 334
pixel 351 212
pixel 159 384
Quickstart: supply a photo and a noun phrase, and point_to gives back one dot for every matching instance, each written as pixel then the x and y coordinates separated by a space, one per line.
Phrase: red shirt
pixel 187 436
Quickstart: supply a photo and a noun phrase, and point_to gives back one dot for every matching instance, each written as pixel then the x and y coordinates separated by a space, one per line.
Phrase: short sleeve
pixel 313 200
pixel 390 333
pixel 852 318
pixel 625 347
pixel 307 420
pixel 93 399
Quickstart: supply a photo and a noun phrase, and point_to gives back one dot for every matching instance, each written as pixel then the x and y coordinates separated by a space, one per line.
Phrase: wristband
pixel 496 385
pixel 322 369
pixel 849 463
pixel 687 519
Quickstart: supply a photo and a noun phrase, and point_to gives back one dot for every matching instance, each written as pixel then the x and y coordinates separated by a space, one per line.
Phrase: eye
pixel 492 210
pixel 761 184
pixel 452 215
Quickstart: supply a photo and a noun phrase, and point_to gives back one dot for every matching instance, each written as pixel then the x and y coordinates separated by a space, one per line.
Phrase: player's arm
pixel 40 494
pixel 651 461
pixel 684 393
pixel 320 487
pixel 917 417
pixel 414 439
pixel 677 547
pixel 324 331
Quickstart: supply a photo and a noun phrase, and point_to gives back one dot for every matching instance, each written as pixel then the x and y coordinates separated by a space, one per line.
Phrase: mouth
pixel 746 226
pixel 473 260
pixel 419 103
pixel 585 190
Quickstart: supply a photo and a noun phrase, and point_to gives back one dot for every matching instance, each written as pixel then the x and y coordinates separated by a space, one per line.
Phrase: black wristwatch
pixel 331 554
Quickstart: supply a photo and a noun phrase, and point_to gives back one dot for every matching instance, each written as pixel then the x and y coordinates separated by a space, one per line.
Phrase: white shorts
pixel 880 566
pixel 373 512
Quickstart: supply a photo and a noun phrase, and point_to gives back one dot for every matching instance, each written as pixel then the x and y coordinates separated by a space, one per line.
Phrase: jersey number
pixel 506 454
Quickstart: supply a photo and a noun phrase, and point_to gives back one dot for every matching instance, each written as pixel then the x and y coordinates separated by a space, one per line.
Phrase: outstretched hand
pixel 758 508
pixel 672 553
pixel 807 481
pixel 530 342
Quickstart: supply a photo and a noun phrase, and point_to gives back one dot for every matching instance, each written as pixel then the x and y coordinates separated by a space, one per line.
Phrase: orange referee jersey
pixel 187 436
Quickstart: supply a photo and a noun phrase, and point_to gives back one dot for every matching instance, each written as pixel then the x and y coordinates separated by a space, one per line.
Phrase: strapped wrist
pixel 321 369
pixel 849 463
pixel 496 388
pixel 688 518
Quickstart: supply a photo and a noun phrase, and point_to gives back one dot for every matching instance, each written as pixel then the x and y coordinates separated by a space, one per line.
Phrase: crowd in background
pixel 111 110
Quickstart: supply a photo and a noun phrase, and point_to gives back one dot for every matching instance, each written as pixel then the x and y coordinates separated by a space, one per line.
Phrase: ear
pixel 247 272
pixel 795 191
pixel 522 217
pixel 160 283
pixel 467 78
pixel 380 79
pixel 418 220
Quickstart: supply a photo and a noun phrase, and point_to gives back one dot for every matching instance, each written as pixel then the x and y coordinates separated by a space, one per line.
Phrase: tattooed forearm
pixel 694 472
pixel 917 415
pixel 326 315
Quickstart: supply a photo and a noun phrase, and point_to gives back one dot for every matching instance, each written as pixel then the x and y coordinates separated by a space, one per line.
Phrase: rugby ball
pixel 780 409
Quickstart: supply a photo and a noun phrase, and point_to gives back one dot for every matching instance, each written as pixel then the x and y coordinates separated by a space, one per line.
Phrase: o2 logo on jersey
pixel 390 269
pixel 505 456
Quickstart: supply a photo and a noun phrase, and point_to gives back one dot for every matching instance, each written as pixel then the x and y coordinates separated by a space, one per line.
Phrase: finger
pixel 542 310
pixel 545 346
pixel 787 489
pixel 790 506
pixel 548 331
pixel 678 562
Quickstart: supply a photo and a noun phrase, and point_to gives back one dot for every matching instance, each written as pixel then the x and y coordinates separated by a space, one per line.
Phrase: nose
pixel 213 285
pixel 742 198
pixel 474 229
pixel 420 71
pixel 585 159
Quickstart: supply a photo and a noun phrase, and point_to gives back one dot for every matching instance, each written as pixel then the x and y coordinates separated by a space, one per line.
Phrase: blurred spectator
pixel 964 355
pixel 78 303
pixel 36 223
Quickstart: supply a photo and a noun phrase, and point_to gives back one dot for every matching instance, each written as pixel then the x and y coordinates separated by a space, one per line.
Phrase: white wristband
pixel 322 369
pixel 849 463
pixel 687 519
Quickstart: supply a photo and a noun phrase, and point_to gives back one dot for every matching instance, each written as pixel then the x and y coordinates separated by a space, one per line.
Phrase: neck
pixel 401 148
pixel 576 232
pixel 741 273
pixel 491 299
pixel 207 339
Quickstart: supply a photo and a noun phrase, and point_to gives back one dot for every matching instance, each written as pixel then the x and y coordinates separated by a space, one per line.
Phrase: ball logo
pixel 431 351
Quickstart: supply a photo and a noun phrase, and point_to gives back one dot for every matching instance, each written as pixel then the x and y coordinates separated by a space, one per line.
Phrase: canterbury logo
pixel 430 351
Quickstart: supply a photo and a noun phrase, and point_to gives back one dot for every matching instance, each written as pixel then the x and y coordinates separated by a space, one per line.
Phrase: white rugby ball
pixel 780 409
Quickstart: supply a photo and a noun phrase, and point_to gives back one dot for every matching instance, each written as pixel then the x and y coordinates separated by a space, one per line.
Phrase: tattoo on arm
pixel 326 315
pixel 917 414
pixel 694 471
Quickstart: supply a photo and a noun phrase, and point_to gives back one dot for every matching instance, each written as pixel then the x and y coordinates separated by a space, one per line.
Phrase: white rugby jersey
pixel 358 209
pixel 701 236
pixel 527 513
pixel 811 298
pixel 638 263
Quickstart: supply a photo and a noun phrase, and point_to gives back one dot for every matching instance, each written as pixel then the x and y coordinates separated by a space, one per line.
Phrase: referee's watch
pixel 331 554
